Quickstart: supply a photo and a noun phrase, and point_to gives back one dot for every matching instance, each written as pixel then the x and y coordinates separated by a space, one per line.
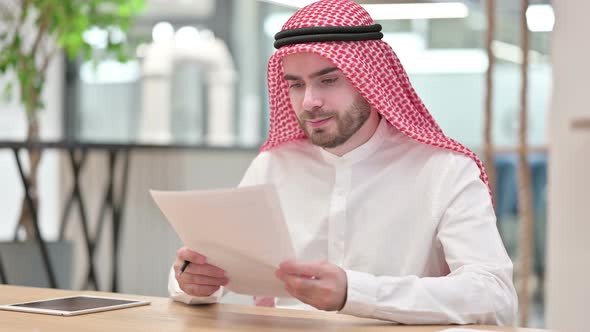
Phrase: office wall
pixel 568 288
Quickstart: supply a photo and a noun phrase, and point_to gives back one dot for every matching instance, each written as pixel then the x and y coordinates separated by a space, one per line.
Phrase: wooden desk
pixel 165 315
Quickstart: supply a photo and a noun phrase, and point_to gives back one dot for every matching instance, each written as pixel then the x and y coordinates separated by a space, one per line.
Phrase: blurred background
pixel 190 108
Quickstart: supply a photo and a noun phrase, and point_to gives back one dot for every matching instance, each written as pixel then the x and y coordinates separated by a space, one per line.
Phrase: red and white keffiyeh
pixel 371 66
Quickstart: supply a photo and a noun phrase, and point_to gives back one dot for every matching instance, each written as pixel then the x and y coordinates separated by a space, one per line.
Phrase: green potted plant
pixel 32 33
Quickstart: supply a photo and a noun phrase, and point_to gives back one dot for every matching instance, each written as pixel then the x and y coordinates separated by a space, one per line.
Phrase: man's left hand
pixel 322 285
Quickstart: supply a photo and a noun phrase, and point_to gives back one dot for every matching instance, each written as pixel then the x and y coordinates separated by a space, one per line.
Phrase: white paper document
pixel 240 230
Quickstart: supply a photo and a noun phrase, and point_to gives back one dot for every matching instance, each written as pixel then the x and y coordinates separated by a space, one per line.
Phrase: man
pixel 390 219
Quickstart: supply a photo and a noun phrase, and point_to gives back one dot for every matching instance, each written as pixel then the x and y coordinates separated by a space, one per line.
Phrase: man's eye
pixel 295 85
pixel 329 80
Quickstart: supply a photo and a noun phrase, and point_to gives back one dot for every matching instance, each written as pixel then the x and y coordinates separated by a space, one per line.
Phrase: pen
pixel 183 267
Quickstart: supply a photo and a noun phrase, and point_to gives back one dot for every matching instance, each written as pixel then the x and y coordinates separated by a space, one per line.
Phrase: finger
pixel 288 286
pixel 199 290
pixel 178 263
pixel 201 280
pixel 205 270
pixel 293 293
pixel 302 288
pixel 320 294
pixel 304 269
pixel 280 274
pixel 303 294
pixel 186 254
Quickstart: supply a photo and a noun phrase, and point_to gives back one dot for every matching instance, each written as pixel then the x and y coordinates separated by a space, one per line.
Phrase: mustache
pixel 316 114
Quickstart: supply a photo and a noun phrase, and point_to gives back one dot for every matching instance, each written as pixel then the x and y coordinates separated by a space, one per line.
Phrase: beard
pixel 347 123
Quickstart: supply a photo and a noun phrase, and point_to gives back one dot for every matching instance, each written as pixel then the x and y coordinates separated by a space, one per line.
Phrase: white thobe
pixel 412 226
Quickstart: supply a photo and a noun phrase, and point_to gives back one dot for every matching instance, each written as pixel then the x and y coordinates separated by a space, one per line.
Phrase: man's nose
pixel 312 99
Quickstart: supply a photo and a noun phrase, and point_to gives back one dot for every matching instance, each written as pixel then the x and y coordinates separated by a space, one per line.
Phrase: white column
pixel 221 78
pixel 568 264
pixel 156 103
pixel 221 108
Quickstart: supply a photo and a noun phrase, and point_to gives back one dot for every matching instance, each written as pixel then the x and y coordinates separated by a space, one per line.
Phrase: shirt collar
pixel 362 151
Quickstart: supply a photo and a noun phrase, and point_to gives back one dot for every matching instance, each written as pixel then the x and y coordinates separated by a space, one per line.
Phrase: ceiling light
pixel 162 31
pixel 187 37
pixel 407 11
pixel 540 18
pixel 290 3
pixel 96 37
pixel 400 11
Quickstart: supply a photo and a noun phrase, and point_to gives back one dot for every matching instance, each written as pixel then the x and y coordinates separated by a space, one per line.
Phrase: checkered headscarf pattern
pixel 371 66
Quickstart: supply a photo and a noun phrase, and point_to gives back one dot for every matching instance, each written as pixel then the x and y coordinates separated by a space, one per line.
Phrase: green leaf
pixel 12 58
pixel 16 42
pixel 4 63
pixel 137 5
pixel 67 21
pixel 87 52
pixel 122 55
pixel 7 93
pixel 124 11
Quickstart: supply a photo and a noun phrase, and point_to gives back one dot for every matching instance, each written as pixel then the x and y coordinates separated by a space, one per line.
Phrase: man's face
pixel 328 108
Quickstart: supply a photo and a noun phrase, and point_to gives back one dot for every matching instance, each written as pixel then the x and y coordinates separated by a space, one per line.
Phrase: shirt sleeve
pixel 255 174
pixel 478 289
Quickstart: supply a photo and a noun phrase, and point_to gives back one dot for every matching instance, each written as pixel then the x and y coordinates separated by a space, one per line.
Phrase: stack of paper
pixel 239 230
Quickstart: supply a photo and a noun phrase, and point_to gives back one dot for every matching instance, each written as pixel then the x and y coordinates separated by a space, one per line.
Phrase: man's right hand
pixel 199 278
